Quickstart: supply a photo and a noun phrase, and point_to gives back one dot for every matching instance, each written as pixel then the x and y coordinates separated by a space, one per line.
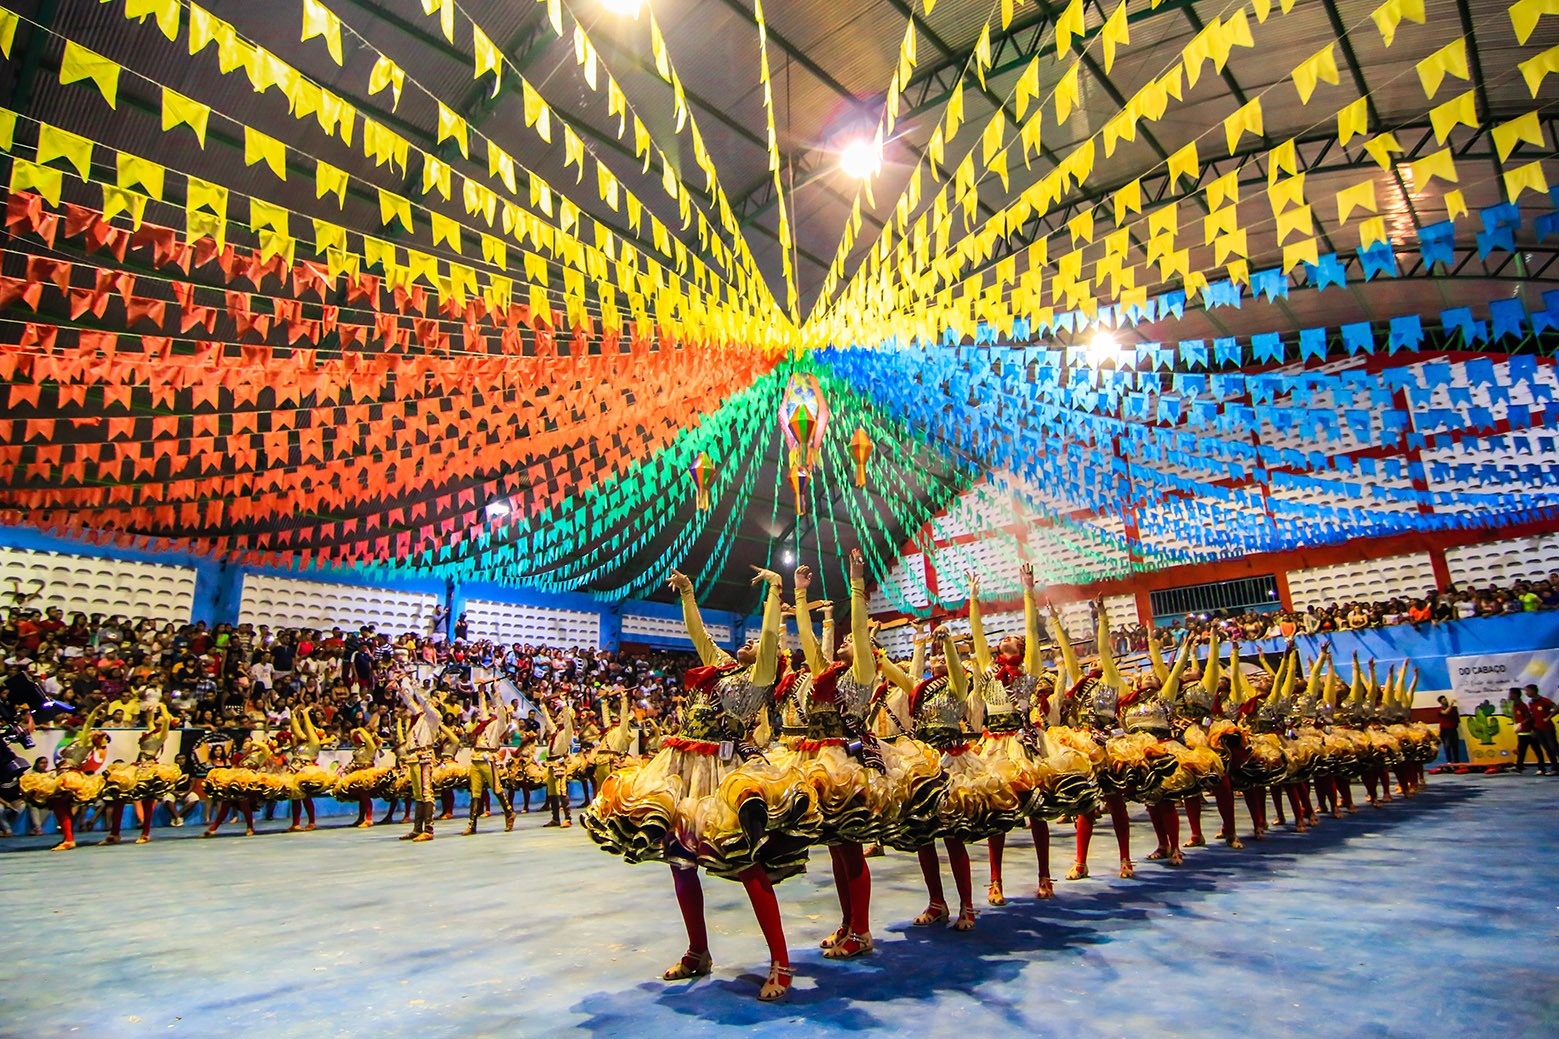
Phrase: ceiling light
pixel 788 557
pixel 861 158
pixel 1101 348
pixel 623 7
pixel 498 508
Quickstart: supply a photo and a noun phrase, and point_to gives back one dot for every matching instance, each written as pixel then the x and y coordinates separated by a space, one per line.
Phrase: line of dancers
pixel 849 749
pixel 242 778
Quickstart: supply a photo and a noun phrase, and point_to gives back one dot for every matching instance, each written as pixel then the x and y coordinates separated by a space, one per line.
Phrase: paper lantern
pixel 703 473
pixel 800 476
pixel 803 418
pixel 861 448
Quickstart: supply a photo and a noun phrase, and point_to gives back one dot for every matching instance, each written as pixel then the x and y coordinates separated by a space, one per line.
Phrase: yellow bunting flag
pixel 165 11
pixel 1508 135
pixel 393 207
pixel 134 171
pixel 319 20
pixel 178 110
pixel 1128 200
pixel 1223 189
pixel 78 63
pixel 501 165
pixel 1381 147
pixel 1458 111
pixel 1244 120
pixel 1393 13
pixel 435 175
pixel 1455 205
pixel 1534 70
pixel 1441 164
pixel 1299 219
pixel 49 183
pixel 1525 13
pixel 1219 222
pixel 7 129
pixel 1028 87
pixel 328 236
pixel 1372 231
pixel 1353 121
pixel 387 74
pixel 1359 196
pixel 202 194
pixel 486 59
pixel 8 22
pixel 1300 252
pixel 1070 24
pixel 265 215
pixel 1284 193
pixel 1282 159
pixel 537 113
pixel 1081 226
pixel 198 225
pixel 330 181
pixel 450 126
pixel 446 230
pixel 446 16
pixel 1528 177
pixel 1116 32
pixel 1450 60
pixel 1185 163
pixel 1068 94
pixel 54 143
pixel 260 148
pixel 1319 67
pixel 118 200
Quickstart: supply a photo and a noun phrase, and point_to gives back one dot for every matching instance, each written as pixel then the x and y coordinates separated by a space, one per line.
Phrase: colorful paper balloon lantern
pixel 803 418
pixel 703 473
pixel 861 448
pixel 800 477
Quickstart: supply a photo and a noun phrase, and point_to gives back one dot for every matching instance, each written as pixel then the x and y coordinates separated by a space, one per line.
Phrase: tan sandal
pixel 834 939
pixel 993 894
pixel 1047 888
pixel 849 947
pixel 1079 871
pixel 1128 869
pixel 965 921
pixel 691 965
pixel 778 983
pixel 935 913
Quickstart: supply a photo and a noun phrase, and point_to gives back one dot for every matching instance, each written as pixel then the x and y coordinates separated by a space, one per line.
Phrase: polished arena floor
pixel 1431 917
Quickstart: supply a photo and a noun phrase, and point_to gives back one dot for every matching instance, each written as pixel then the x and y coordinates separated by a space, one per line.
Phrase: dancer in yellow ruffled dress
pixel 361 779
pixel 242 785
pixel 74 783
pixel 307 779
pixel 861 783
pixel 710 799
pixel 1013 689
pixel 144 783
pixel 1149 710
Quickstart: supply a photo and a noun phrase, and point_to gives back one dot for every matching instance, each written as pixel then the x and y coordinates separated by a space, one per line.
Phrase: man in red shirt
pixel 1542 709
pixel 1526 733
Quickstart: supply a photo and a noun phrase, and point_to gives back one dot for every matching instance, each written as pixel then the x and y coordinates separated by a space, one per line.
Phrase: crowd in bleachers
pixel 1435 607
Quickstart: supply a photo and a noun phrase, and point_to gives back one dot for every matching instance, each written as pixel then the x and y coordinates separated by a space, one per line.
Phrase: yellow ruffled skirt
pixel 688 807
pixel 451 776
pixel 359 783
pixel 313 780
pixel 1262 764
pixel 140 781
pixel 857 802
pixel 237 784
pixel 1305 754
pixel 39 787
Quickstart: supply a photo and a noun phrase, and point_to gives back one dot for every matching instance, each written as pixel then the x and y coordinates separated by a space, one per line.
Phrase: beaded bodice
pixel 1149 715
pixel 1094 705
pixel 938 713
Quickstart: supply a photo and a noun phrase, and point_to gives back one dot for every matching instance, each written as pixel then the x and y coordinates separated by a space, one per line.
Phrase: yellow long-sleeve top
pixel 1003 697
pixel 731 706
pixel 853 690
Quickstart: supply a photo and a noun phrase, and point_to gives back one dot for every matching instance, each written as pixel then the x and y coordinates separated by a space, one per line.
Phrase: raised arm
pixel 1074 670
pixel 809 647
pixel 982 648
pixel 1112 675
pixel 895 674
pixel 955 667
pixel 708 652
pixel 1213 672
pixel 1171 691
pixel 764 671
pixel 1156 658
pixel 830 636
pixel 1032 662
pixel 863 667
pixel 917 659
pixel 624 716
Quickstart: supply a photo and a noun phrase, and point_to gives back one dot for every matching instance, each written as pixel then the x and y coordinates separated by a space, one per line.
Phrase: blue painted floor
pixel 1432 917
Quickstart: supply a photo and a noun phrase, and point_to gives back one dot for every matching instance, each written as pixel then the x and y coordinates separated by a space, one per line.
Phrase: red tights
pixel 299 807
pixel 997 844
pixel 853 882
pixel 1115 804
pixel 64 817
pixel 1166 826
pixel 958 862
pixel 760 892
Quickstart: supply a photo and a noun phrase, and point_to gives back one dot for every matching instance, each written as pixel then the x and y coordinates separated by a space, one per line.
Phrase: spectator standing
pixel 1526 734
pixel 1450 731
pixel 1542 709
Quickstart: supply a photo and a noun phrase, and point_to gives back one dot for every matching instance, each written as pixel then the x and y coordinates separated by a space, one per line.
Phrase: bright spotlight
pixel 1101 348
pixel 788 557
pixel 498 508
pixel 861 158
pixel 629 8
